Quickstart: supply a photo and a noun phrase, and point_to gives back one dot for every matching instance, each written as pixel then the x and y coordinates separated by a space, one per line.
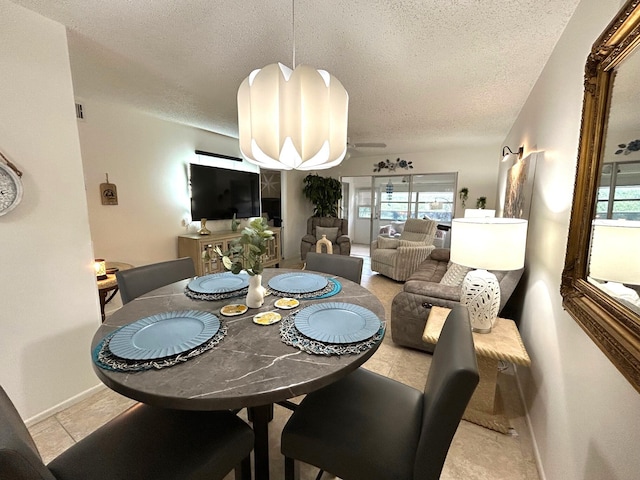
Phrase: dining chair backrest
pixel 342 265
pixel 142 443
pixel 453 377
pixel 19 457
pixel 137 281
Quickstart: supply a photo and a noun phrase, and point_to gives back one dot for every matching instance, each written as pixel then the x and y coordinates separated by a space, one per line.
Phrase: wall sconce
pixel 101 268
pixel 507 151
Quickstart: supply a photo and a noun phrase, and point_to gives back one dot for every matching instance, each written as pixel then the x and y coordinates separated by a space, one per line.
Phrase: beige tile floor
pixel 475 454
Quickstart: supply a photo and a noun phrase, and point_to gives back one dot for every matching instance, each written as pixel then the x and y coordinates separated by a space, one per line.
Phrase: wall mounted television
pixel 218 193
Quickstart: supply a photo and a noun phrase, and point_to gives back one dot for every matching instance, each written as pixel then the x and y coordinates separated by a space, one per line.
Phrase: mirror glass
pixel 614 266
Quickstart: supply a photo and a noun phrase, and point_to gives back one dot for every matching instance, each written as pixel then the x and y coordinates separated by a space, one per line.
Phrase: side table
pixel 503 343
pixel 109 285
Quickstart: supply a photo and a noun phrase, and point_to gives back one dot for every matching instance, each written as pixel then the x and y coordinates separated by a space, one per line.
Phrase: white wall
pixel 49 298
pixel 583 412
pixel 477 167
pixel 296 209
pixel 147 159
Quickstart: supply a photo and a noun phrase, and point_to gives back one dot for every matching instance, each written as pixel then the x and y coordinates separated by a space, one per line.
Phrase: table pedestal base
pixel 260 417
pixel 485 407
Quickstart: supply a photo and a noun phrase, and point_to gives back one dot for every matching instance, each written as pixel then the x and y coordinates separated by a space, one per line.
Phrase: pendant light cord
pixel 293 31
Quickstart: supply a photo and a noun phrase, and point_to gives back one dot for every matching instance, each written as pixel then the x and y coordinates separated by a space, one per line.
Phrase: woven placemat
pixel 213 297
pixel 103 357
pixel 290 335
pixel 333 288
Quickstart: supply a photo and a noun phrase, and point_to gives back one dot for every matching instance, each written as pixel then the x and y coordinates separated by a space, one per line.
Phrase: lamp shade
pixel 614 251
pixel 478 213
pixel 292 119
pixel 489 243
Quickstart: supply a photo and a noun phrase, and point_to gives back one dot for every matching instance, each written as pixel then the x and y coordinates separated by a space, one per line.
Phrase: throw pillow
pixel 397 226
pixel 407 243
pixel 384 242
pixel 330 232
pixel 455 275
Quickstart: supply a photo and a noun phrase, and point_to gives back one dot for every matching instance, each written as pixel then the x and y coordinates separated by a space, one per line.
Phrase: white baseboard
pixel 66 404
pixel 536 451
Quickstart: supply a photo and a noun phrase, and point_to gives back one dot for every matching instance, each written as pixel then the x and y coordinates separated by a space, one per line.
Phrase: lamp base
pixel 481 295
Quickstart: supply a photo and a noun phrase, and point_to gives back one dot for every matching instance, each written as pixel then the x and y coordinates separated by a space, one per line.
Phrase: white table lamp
pixel 614 257
pixel 478 212
pixel 486 244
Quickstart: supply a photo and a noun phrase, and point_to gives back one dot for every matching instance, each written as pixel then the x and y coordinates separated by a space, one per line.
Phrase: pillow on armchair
pixel 330 232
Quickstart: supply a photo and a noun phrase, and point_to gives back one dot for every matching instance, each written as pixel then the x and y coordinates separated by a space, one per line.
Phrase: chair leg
pixel 291 469
pixel 243 471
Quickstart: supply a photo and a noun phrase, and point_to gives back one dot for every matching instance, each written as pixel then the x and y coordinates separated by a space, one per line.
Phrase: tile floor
pixel 476 452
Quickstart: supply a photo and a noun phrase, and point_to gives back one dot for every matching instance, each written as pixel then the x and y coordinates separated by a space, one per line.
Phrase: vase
pixel 255 295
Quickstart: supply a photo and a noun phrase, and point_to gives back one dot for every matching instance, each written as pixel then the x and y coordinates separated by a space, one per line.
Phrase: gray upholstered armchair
pixel 399 257
pixel 335 229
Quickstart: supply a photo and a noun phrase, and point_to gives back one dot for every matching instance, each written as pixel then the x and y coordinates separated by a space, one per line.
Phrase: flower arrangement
pixel 246 252
pixel 391 166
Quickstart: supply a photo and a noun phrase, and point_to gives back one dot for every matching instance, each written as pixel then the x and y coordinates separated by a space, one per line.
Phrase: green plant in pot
pixel 245 253
pixel 481 202
pixel 463 194
pixel 324 193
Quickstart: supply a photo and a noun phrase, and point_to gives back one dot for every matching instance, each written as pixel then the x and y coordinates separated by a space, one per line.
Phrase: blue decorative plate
pixel 164 335
pixel 298 282
pixel 337 322
pixel 219 283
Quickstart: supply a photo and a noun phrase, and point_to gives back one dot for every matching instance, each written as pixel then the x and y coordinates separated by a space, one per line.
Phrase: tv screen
pixel 218 193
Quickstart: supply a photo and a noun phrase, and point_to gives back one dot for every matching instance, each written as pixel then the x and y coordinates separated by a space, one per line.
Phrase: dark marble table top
pixel 250 367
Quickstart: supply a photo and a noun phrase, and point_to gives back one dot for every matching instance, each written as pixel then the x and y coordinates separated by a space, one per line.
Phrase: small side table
pixel 503 343
pixel 109 285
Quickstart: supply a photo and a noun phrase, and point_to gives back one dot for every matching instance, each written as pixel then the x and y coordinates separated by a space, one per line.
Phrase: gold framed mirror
pixel 612 324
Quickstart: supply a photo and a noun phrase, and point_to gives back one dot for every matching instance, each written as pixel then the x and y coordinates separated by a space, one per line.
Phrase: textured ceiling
pixel 419 73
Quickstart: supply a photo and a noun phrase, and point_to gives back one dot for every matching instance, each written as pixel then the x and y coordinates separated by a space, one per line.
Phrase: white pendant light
pixel 292 119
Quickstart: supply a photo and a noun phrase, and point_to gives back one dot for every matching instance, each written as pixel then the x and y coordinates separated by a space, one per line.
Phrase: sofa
pixel 397 258
pixel 410 308
pixel 336 230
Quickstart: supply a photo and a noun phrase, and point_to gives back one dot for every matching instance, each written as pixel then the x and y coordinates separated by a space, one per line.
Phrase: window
pixel 363 201
pixel 619 191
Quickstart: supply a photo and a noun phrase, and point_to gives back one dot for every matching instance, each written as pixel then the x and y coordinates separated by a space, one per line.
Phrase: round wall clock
pixel 10 188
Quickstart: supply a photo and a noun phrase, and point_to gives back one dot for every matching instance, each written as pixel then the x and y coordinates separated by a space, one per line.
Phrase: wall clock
pixel 10 186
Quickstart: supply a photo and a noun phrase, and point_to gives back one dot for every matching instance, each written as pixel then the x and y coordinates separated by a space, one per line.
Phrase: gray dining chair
pixel 137 281
pixel 369 427
pixel 143 443
pixel 344 266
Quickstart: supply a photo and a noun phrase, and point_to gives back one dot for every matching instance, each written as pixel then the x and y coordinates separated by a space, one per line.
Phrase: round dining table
pixel 251 367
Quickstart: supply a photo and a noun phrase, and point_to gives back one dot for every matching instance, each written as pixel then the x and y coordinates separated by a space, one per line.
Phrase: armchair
pixel 398 258
pixel 335 229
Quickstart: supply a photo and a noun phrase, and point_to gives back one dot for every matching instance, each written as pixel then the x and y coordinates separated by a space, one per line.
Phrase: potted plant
pixel 481 202
pixel 324 193
pixel 245 253
pixel 464 195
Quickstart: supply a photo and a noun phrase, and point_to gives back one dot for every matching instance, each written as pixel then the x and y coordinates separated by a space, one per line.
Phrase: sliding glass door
pixel 399 197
